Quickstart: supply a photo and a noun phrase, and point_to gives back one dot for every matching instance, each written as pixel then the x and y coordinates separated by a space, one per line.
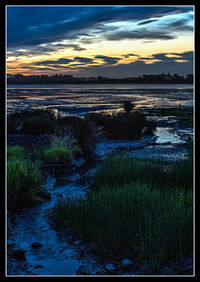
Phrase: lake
pixel 83 98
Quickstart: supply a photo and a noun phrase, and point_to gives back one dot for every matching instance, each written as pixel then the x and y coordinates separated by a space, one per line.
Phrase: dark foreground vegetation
pixel 61 139
pixel 128 125
pixel 24 180
pixel 135 207
pixel 140 208
pixel 85 130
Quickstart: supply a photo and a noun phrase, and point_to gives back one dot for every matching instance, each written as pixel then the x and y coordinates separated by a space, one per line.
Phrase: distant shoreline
pixel 96 82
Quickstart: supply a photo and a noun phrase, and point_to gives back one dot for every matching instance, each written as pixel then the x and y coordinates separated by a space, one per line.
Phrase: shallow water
pixel 56 256
pixel 81 99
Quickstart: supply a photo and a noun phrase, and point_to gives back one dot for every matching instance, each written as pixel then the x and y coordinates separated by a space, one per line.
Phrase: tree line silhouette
pixel 69 79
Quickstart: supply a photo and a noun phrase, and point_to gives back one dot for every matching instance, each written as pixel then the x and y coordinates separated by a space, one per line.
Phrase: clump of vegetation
pixel 152 224
pixel 128 125
pixel 128 106
pixel 123 169
pixel 56 154
pixel 24 180
pixel 16 152
pixel 82 132
pixel 38 121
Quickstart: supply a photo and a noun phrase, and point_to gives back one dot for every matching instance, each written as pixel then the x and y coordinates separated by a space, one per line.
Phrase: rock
pixel 126 264
pixel 99 272
pixel 19 254
pixel 36 245
pixel 110 268
pixel 83 269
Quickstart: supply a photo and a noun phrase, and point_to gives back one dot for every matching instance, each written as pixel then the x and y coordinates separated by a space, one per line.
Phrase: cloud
pixel 180 25
pixel 108 60
pixel 147 22
pixel 137 68
pixel 53 62
pixel 30 26
pixel 40 69
pixel 148 41
pixel 75 47
pixel 84 60
pixel 188 56
pixel 140 34
pixel 129 55
pixel 165 57
pixel 30 51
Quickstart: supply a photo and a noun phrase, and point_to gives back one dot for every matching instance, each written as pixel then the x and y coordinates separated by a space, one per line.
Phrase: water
pixel 57 256
pixel 81 99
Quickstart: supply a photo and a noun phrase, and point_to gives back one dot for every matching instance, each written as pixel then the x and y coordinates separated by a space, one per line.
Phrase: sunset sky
pixel 112 41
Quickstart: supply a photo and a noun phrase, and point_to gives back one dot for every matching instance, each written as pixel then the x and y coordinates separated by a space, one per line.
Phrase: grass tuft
pixel 24 179
pixel 57 154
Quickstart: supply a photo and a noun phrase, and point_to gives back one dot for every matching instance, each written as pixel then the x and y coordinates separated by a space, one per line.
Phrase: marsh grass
pixel 136 207
pixel 121 169
pixel 57 154
pixel 16 152
pixel 134 218
pixel 62 148
pixel 24 179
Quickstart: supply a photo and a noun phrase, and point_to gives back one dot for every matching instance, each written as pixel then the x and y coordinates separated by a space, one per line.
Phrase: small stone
pixel 19 254
pixel 36 245
pixel 126 264
pixel 110 268
pixel 83 269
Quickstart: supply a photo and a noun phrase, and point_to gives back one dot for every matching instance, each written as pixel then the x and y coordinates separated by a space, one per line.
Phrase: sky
pixel 109 41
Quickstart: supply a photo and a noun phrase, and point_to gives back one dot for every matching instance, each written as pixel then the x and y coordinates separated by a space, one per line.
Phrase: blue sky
pixel 113 41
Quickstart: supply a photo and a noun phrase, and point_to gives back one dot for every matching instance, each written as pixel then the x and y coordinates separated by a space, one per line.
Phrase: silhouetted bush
pixel 31 121
pixel 84 131
pixel 128 106
pixel 123 125
pixel 45 121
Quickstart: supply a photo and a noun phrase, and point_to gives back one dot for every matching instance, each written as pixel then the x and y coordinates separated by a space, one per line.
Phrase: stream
pixel 57 255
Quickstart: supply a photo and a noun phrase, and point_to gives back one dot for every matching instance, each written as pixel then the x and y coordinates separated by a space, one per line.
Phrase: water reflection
pixel 98 97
